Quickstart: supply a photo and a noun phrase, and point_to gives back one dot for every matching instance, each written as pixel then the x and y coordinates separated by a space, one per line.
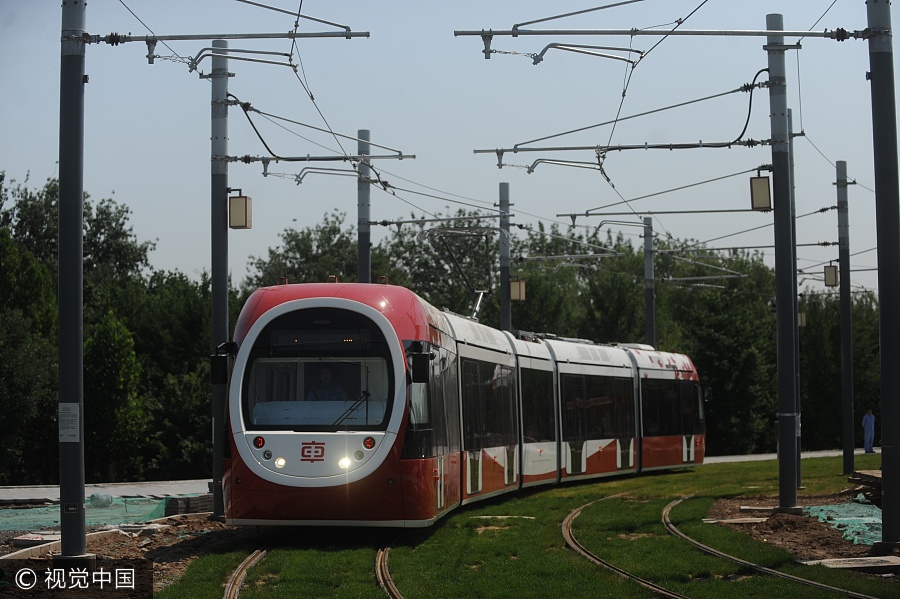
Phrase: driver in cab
pixel 327 390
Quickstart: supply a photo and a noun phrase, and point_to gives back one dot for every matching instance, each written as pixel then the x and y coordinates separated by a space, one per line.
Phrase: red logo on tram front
pixel 312 451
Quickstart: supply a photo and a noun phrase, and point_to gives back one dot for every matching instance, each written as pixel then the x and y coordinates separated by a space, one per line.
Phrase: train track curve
pixel 572 542
pixel 756 567
pixel 384 575
pixel 233 587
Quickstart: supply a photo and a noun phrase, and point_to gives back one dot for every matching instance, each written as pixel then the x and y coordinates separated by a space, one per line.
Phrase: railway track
pixel 756 567
pixel 572 542
pixel 233 587
pixel 384 575
pixel 382 572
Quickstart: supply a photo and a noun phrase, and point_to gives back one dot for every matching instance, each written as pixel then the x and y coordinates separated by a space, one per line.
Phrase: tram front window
pixel 313 372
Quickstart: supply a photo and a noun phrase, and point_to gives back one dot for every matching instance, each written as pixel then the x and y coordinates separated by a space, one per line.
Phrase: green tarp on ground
pixel 860 521
pixel 99 510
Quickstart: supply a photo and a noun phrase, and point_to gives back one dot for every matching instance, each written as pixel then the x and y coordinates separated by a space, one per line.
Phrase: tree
pixel 310 255
pixel 28 363
pixel 111 250
pixel 28 404
pixel 26 285
pixel 729 332
pixel 556 289
pixel 181 444
pixel 821 371
pixel 447 263
pixel 116 416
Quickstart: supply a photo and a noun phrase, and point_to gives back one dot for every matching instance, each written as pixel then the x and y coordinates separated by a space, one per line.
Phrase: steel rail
pixel 233 588
pixel 572 542
pixel 762 569
pixel 384 575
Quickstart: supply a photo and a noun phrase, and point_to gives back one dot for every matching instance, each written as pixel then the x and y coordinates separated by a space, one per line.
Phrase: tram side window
pixel 538 419
pixel 450 370
pixel 419 442
pixel 438 414
pixel 597 407
pixel 600 409
pixel 489 412
pixel 662 407
pixel 573 394
pixel 473 419
pixel 624 408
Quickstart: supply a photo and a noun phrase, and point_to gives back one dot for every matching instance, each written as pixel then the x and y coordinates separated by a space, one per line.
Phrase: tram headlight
pixel 359 456
pixel 280 462
pixel 344 463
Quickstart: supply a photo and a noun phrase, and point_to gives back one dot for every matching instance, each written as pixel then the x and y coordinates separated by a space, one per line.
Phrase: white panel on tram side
pixel 539 459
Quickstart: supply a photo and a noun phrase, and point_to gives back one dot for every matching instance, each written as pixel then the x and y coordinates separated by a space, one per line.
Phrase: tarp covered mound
pixel 860 521
pixel 99 510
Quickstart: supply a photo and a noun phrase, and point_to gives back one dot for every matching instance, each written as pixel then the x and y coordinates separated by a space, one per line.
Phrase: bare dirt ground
pixel 171 549
pixel 190 536
pixel 805 537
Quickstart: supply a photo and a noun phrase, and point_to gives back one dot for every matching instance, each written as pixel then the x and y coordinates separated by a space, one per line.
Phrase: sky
pixel 420 90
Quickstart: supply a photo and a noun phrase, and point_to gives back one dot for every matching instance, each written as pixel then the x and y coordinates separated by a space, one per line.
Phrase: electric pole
pixel 505 307
pixel 73 542
pixel 785 268
pixel 846 317
pixel 887 227
pixel 649 285
pixel 363 209
pixel 219 255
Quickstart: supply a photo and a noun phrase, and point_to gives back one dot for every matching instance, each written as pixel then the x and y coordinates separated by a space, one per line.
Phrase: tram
pixel 355 404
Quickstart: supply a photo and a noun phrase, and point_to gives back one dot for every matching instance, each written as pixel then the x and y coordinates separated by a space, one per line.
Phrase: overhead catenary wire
pixel 743 88
pixel 578 12
pixel 629 74
pixel 247 108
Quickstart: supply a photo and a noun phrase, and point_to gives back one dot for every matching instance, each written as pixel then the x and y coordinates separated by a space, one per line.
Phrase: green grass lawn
pixel 513 546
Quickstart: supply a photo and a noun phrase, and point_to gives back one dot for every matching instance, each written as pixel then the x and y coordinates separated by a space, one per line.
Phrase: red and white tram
pixel 363 405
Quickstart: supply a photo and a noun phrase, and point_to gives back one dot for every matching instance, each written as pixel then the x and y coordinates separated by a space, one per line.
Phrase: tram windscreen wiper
pixel 362 398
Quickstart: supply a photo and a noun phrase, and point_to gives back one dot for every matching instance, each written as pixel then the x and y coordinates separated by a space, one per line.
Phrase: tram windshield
pixel 320 369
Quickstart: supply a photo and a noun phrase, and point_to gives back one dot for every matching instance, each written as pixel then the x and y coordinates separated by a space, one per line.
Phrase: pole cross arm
pixel 840 34
pixel 114 39
pixel 247 159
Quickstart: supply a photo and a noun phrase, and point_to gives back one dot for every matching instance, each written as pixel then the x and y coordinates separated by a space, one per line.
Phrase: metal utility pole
pixel 785 268
pixel 649 283
pixel 848 427
pixel 219 255
pixel 70 283
pixel 363 208
pixel 505 307
pixel 887 228
pixel 796 308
